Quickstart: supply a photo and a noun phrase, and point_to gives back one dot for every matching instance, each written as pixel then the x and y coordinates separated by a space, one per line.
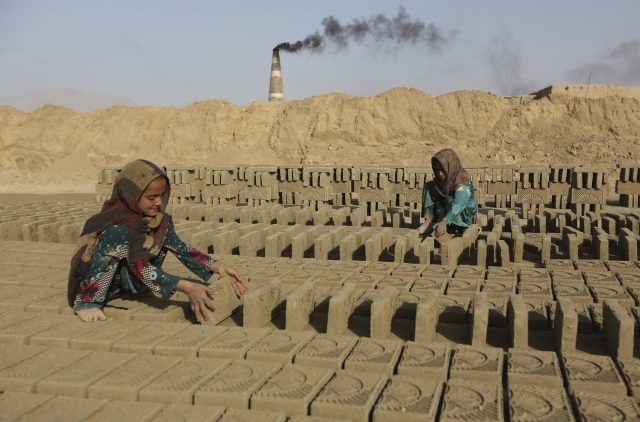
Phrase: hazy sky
pixel 176 52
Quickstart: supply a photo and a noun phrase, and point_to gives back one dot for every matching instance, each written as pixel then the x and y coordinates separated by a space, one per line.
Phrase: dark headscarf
pixel 146 234
pixel 456 174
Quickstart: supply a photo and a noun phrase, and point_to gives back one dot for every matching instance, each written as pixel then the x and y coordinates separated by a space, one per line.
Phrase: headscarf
pixel 146 234
pixel 456 174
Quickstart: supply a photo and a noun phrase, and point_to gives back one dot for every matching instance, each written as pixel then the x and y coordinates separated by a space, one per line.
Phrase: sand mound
pixel 57 145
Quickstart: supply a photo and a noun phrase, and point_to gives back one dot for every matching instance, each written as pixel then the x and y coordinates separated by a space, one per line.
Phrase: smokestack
pixel 275 83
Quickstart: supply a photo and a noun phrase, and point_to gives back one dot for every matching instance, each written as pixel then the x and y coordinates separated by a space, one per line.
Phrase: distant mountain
pixel 76 100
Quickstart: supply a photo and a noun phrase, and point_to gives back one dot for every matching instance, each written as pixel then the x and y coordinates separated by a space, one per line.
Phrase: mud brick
pixel 145 339
pixel 591 265
pixel 11 354
pixel 125 382
pixel 402 283
pixel 621 266
pixel 529 367
pixel 422 284
pixel 634 292
pixel 618 327
pixel 550 404
pixel 380 268
pixel 408 270
pixel 426 316
pixel 353 266
pixel 472 401
pixel 244 415
pixel 569 275
pixel 159 310
pixel 234 385
pixel 225 302
pixel 326 351
pixel 318 264
pixel 533 274
pixel 300 275
pixel 62 334
pixel 179 384
pixel 502 273
pixel 408 303
pixel 187 341
pixel 56 304
pixel 592 373
pixel 628 278
pixel 538 312
pixel 630 369
pixel 408 398
pixel 299 305
pixel 463 286
pixel 532 288
pixel 374 355
pixel 576 292
pixel 126 412
pixel 611 291
pixel 469 272
pixel 604 277
pixel 499 287
pixel 438 271
pixel 560 264
pixel 188 412
pixel 349 394
pixel 341 306
pixel 425 360
pixel 584 313
pixel 65 409
pixel 497 310
pixel 479 320
pixel 332 277
pixel 25 296
pixel 20 332
pixel 104 337
pixel 365 280
pixel 291 390
pixel 75 379
pixel 232 343
pixel 9 318
pixel 24 375
pixel 454 309
pixel 13 405
pixel 609 406
pixel 123 308
pixel 477 363
pixel 279 346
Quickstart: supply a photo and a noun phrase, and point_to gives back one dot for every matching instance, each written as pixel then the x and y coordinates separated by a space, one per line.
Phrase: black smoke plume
pixel 378 29
pixel 621 65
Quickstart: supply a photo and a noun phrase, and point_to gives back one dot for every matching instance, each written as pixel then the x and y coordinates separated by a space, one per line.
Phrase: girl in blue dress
pixel 448 203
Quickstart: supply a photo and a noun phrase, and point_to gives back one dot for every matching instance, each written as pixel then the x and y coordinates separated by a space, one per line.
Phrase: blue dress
pixel 459 209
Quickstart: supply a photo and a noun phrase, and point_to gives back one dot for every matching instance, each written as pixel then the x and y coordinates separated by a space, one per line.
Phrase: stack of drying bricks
pixel 289 183
pixel 221 185
pixel 502 185
pixel 628 185
pixel 560 185
pixel 588 190
pixel 372 187
pixel 45 222
pixel 261 184
pixel 338 340
pixel 316 187
pixel 106 178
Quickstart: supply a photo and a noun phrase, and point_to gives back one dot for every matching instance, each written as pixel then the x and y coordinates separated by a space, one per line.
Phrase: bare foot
pixel 91 314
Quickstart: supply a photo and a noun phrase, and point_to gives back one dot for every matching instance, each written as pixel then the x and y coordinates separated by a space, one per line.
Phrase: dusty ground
pixel 54 149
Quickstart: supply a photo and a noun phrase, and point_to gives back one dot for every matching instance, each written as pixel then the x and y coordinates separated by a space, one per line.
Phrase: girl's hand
pixel 200 297
pixel 440 228
pixel 226 271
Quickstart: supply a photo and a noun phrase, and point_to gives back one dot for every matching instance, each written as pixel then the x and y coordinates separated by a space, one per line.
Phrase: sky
pixel 173 53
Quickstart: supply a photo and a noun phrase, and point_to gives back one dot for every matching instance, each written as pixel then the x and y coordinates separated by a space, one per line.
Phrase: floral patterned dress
pixel 110 272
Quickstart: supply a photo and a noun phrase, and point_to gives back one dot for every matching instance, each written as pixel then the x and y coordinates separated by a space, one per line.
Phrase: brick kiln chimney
pixel 275 83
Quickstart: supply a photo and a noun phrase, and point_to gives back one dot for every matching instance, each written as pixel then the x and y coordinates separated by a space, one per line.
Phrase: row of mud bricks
pixel 500 238
pixel 580 189
pixel 483 363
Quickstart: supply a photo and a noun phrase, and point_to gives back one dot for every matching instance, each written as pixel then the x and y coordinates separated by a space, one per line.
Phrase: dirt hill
pixel 57 149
